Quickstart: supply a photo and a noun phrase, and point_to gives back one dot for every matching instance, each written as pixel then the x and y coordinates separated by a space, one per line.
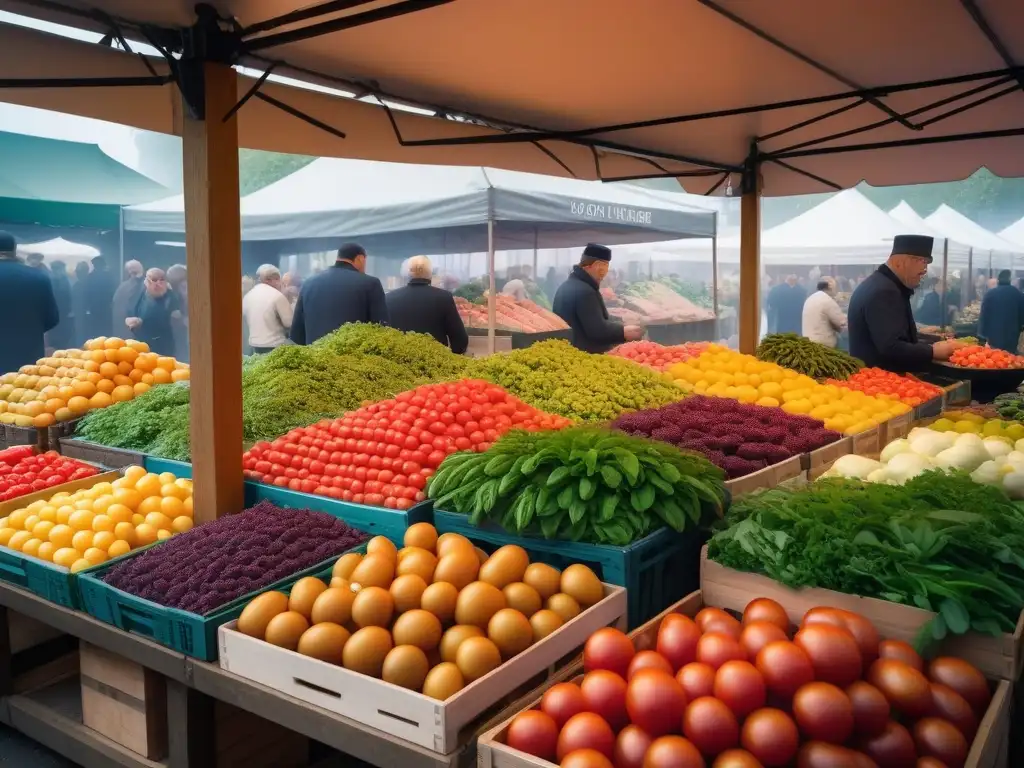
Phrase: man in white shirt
pixel 267 311
pixel 823 320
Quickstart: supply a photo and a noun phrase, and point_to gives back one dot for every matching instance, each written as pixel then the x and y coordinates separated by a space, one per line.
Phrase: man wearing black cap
pixel 339 295
pixel 578 301
pixel 881 323
pixel 27 308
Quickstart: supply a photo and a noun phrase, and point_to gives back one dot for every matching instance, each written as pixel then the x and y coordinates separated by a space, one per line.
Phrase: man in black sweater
pixel 421 307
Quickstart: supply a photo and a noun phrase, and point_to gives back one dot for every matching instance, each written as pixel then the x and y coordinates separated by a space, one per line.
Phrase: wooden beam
pixel 213 240
pixel 750 267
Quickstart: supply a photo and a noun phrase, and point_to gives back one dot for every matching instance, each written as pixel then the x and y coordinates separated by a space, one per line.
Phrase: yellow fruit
pixel 118 548
pixel 81 520
pixel 181 524
pixel 134 473
pixel 80 565
pixel 31 547
pixel 119 513
pixel 145 534
pixel 102 540
pixel 172 506
pixel 31 522
pixel 95 556
pixel 965 426
pixel 45 552
pixel 163 534
pixel 125 531
pixel 61 536
pixel 102 523
pixel 82 540
pixel 66 557
pixel 130 497
pixel 148 486
pixel 5 535
pixel 159 521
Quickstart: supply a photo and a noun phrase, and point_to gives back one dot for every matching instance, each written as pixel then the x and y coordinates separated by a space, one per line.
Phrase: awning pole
pixel 945 271
pixel 536 240
pixel 714 270
pixel 120 238
pixel 967 287
pixel 492 299
pixel 213 239
pixel 750 256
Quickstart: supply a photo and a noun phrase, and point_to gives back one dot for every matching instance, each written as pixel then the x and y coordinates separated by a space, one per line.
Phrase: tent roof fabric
pixel 59 247
pixel 331 198
pixel 1014 233
pixel 805 59
pixel 913 221
pixel 956 226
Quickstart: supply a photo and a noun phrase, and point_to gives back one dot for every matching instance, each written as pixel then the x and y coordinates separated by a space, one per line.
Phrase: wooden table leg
pixel 191 728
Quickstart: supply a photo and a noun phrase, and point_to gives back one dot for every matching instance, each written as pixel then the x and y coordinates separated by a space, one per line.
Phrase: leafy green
pixel 156 423
pixel 940 542
pixel 421 355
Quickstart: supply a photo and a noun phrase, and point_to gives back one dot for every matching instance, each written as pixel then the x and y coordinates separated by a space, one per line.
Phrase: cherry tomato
pixel 648 660
pixel 714 649
pixel 906 689
pixel 757 634
pixel 673 752
pixel 771 736
pixel 604 694
pixel 677 641
pixel 562 701
pixel 630 747
pixel 892 748
pixel 820 754
pixel 740 686
pixel 655 701
pixel 785 667
pixel 585 758
pixel 833 652
pixel 765 609
pixel 963 678
pixel 585 731
pixel 610 649
pixel 901 651
pixel 737 758
pixel 707 614
pixel 697 680
pixel 950 705
pixel 870 708
pixel 823 712
pixel 710 725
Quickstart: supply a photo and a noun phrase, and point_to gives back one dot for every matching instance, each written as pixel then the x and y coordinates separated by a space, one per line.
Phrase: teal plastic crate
pixel 157 465
pixel 656 571
pixel 188 633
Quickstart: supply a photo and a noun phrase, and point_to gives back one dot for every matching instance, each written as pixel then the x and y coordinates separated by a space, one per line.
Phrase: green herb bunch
pixel 1010 405
pixel 156 423
pixel 790 350
pixel 583 483
pixel 420 354
pixel 940 542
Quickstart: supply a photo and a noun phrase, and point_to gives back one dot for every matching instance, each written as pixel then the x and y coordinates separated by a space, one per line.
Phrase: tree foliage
pixel 258 169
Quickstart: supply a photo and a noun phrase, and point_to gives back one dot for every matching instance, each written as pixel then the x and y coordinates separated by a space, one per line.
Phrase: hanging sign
pixel 615 214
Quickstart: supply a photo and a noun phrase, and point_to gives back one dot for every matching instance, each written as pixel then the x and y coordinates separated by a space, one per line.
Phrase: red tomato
pixel 604 694
pixel 863 631
pixel 697 680
pixel 741 687
pixel 673 752
pixel 535 733
pixel 906 689
pixel 892 748
pixel 765 609
pixel 950 705
pixel 757 634
pixel 610 649
pixel 771 736
pixel 585 758
pixel 833 652
pixel 655 701
pixel 648 660
pixel 737 758
pixel 963 678
pixel 714 649
pixel 870 708
pixel 901 651
pixel 929 762
pixel 562 701
pixel 711 725
pixel 585 731
pixel 707 614
pixel 942 740
pixel 785 667
pixel 630 747
pixel 677 640
pixel 823 712
pixel 723 626
pixel 820 754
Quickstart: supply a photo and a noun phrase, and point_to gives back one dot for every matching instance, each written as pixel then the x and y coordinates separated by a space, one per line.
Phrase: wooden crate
pixel 410 715
pixel 894 428
pixel 868 441
pixel 769 477
pixel 826 454
pixel 990 748
pixel 244 740
pixel 997 657
pixel 124 701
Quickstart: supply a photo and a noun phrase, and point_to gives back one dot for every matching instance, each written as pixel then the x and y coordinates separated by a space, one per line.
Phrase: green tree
pixel 258 169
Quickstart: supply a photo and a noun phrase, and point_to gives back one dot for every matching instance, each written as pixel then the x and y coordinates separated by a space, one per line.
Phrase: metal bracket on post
pixel 751 169
pixel 211 39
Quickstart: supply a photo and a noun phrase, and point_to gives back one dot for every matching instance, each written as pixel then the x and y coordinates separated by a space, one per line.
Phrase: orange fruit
pixel 122 381
pixel 167 363
pixel 161 376
pixel 172 506
pixel 110 355
pixel 159 520
pixel 54 404
pixel 95 555
pixel 108 370
pixel 122 393
pixel 84 388
pixel 82 540
pixel 188 506
pixel 181 374
pixel 148 378
pixel 150 504
pixel 100 400
pixel 105 385
pixel 93 378
pixel 127 355
pixel 146 362
pixel 177 491
pixel 138 519
pixel 181 524
pixel 139 346
pixel 89 366
pixel 136 375
pixel 129 497
pixel 113 342
pixel 145 534
pixel 44 420
pixel 118 548
pixel 124 368
pixel 78 405
pixel 141 389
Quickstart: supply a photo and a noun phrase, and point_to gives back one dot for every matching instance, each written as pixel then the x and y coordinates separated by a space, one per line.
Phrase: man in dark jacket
pixel 155 313
pixel 786 306
pixel 930 311
pixel 27 308
pixel 882 329
pixel 101 285
pixel 1002 315
pixel 61 336
pixel 423 308
pixel 128 294
pixel 578 301
pixel 339 295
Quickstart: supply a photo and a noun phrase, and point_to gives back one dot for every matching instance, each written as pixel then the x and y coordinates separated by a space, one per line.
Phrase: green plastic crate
pixel 656 571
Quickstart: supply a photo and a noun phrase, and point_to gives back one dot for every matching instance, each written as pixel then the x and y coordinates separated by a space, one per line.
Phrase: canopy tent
pixel 913 221
pixel 956 226
pixel 1014 233
pixel 400 209
pixel 958 255
pixel 59 248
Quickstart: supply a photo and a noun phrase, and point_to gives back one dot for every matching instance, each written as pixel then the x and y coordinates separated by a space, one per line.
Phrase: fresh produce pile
pixel 739 438
pixel 698 293
pixel 758 692
pixel 941 542
pixel 73 382
pixel 155 423
pixel 656 302
pixel 657 356
pixel 382 454
pixel 431 617
pixel 419 355
pixel 85 528
pixel 23 471
pixel 975 356
pixel 970 314
pixel 979 422
pixel 582 483
pixel 510 315
pixel 793 351
pixel 721 372
pixel 1010 405
pixel 209 566
pixel 556 378
pixel 886 384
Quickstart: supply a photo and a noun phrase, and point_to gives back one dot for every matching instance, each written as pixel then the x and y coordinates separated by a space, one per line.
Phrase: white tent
pixel 913 221
pixel 1014 233
pixel 399 209
pixel 956 226
pixel 59 248
pixel 957 253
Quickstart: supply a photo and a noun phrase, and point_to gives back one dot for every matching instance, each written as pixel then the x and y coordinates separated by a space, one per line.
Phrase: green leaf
pixel 938 627
pixel 658 482
pixel 577 511
pixel 643 497
pixel 557 476
pixel 669 472
pixel 525 510
pixel 611 476
pixel 587 488
pixel 629 463
pixel 590 461
pixel 670 512
pixel 955 615
pixel 549 526
pixel 609 506
pixel 565 498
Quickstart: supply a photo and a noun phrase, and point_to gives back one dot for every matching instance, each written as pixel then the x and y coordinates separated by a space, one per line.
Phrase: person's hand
pixel 633 332
pixel 941 350
pixel 133 323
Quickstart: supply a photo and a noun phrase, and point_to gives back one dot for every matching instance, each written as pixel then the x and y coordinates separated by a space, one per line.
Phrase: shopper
pixel 100 297
pixel 156 311
pixel 786 306
pixel 341 294
pixel 267 311
pixel 578 301
pixel 60 337
pixel 177 281
pixel 823 320
pixel 421 307
pixel 80 304
pixel 128 293
pixel 27 308
pixel 1002 314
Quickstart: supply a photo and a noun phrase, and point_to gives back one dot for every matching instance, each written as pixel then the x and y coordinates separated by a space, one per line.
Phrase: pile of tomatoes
pixel 748 694
pixel 23 471
pixel 382 454
pixel 656 356
pixel 875 381
pixel 976 356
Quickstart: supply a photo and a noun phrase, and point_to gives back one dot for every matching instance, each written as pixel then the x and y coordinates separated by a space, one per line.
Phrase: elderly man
pixel 27 308
pixel 421 307
pixel 155 314
pixel 882 329
pixel 823 320
pixel 128 293
pixel 267 311
pixel 177 281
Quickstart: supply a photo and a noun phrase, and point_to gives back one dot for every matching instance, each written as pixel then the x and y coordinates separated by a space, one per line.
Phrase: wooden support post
pixel 750 263
pixel 213 239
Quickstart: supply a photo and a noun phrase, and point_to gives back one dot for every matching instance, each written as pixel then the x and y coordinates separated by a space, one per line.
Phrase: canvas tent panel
pixel 958 227
pixel 1014 233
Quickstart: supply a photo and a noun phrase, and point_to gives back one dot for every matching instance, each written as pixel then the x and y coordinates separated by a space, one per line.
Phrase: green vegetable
pixel 807 357
pixel 419 353
pixel 582 483
pixel 156 423
pixel 940 542
pixel 1010 405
